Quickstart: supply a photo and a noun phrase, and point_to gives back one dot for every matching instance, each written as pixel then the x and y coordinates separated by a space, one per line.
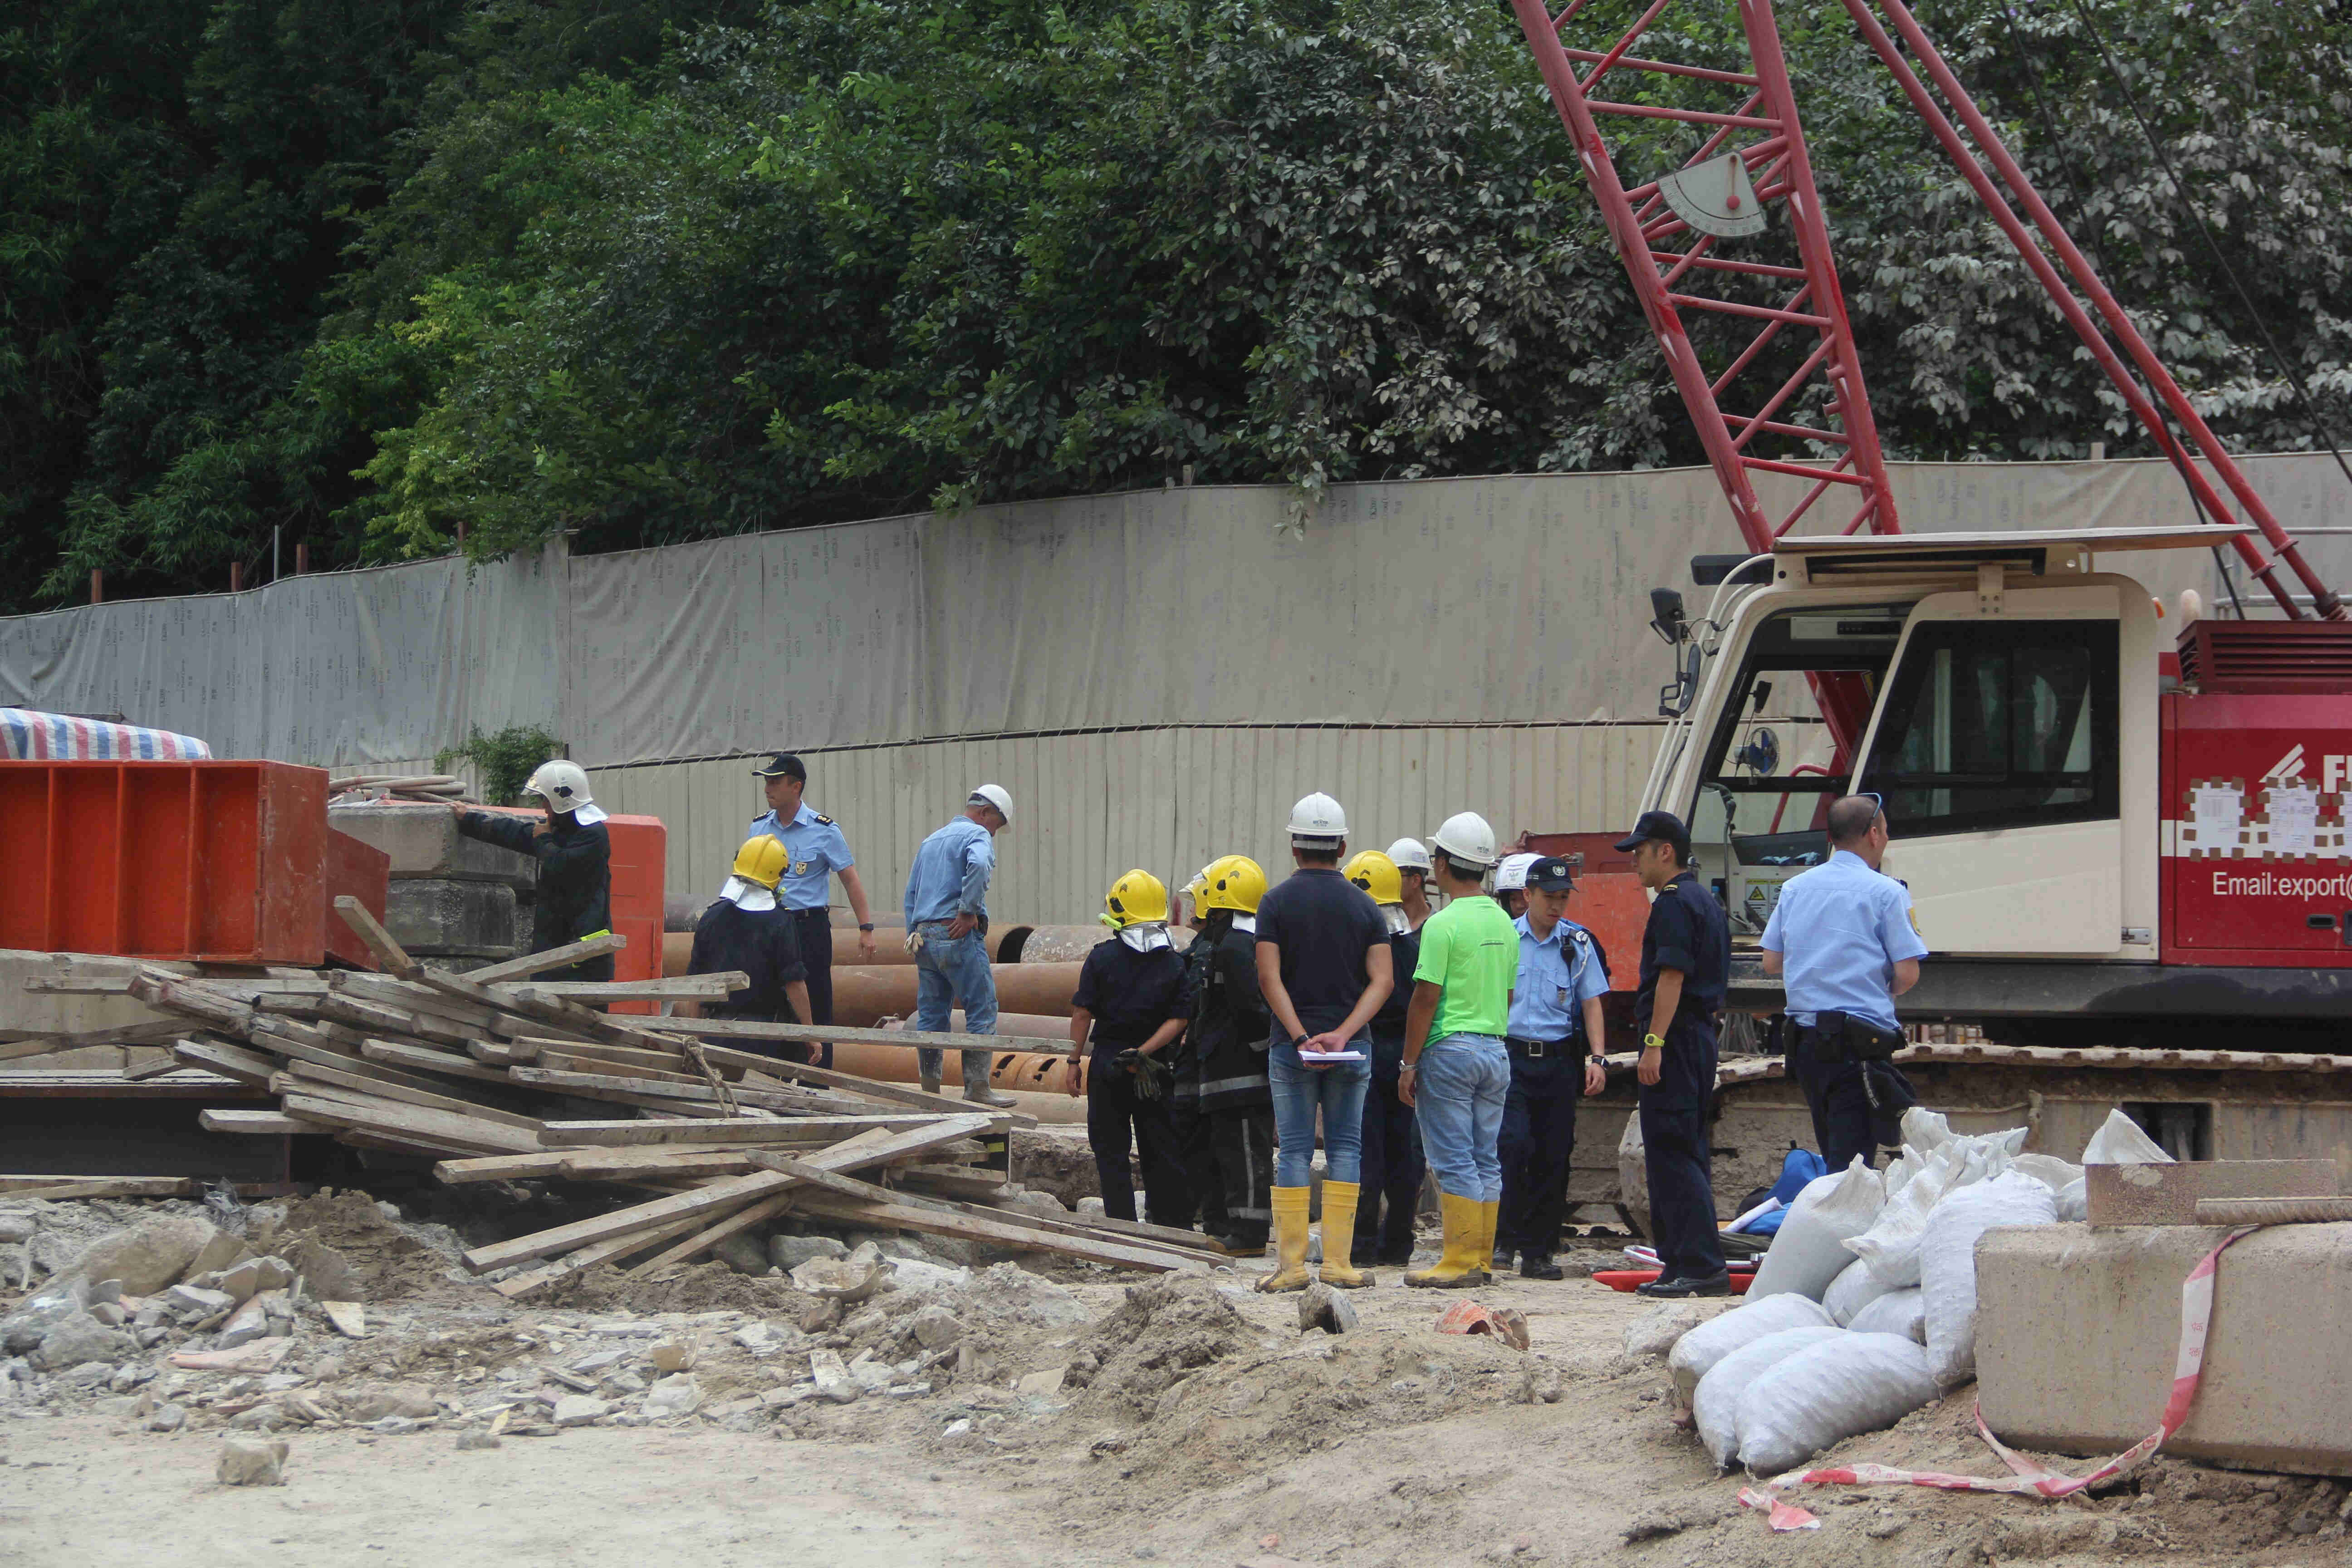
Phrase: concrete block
pixel 2078 1329
pixel 57 1013
pixel 441 915
pixel 2168 1194
pixel 424 842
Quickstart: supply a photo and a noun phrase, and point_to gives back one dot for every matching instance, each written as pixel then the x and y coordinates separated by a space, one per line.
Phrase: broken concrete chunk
pixel 81 1338
pixel 220 1251
pixel 110 1313
pixel 89 1374
pixel 248 1279
pixel 1321 1307
pixel 936 1328
pixel 247 1324
pixel 757 1338
pixel 480 1438
pixel 1653 1333
pixel 26 1327
pixel 579 1410
pixel 167 1418
pixel 671 1356
pixel 250 1462
pixel 1041 1383
pixel 676 1395
pixel 744 1253
pixel 193 1303
pixel 789 1252
pixel 832 1377
pixel 147 1255
pixel 349 1317
pixel 16 1225
pixel 367 1405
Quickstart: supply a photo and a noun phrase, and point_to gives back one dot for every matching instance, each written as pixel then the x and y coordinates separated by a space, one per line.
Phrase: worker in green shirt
pixel 1456 1072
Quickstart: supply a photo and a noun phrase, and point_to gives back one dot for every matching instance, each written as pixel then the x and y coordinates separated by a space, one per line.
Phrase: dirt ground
pixel 1194 1423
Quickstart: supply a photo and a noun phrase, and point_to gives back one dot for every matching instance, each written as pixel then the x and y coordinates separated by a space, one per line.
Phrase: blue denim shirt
pixel 949 876
pixel 1840 930
pixel 1556 975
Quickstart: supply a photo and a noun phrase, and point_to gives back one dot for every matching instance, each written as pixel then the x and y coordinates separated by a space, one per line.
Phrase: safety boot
pixel 1289 1240
pixel 1460 1266
pixel 1340 1236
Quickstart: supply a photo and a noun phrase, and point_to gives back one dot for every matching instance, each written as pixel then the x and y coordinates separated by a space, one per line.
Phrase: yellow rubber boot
pixel 1490 1219
pixel 1461 1264
pixel 1340 1236
pixel 1289 1240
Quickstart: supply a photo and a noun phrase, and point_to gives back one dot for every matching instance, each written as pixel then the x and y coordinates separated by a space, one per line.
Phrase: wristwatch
pixel 1653 1043
pixel 865 925
pixel 1300 1042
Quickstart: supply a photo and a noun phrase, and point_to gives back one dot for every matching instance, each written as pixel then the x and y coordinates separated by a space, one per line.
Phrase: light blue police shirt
pixel 1556 975
pixel 1840 929
pixel 949 876
pixel 815 849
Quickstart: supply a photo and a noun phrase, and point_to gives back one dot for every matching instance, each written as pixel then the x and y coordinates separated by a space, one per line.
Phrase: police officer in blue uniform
pixel 1685 967
pixel 1555 1040
pixel 1841 939
pixel 818 853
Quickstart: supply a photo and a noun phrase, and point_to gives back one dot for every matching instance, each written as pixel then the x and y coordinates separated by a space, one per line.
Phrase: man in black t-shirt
pixel 1134 999
pixel 1323 964
pixel 745 928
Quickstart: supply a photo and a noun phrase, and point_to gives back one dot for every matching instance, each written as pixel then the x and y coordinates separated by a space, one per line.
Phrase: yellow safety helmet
pixel 1377 875
pixel 761 860
pixel 1137 895
pixel 1197 887
pixel 1236 883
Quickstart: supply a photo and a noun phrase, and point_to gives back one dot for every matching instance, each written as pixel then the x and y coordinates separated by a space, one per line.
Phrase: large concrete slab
pixel 2078 1329
pixel 438 916
pixel 424 841
pixel 2167 1193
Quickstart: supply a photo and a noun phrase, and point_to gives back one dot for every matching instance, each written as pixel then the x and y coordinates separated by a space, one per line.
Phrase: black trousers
pixel 1538 1135
pixel 1204 1184
pixel 1392 1164
pixel 1675 1146
pixel 1243 1141
pixel 1839 1099
pixel 1115 1114
pixel 814 932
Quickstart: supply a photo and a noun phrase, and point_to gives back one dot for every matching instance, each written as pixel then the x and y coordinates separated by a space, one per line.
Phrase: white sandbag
pixel 1891 1246
pixel 2120 1142
pixel 1827 1393
pixel 2074 1201
pixel 1901 1169
pixel 1854 1287
pixel 2048 1169
pixel 1809 1250
pixel 1948 1263
pixel 1717 1403
pixel 1926 1130
pixel 1900 1312
pixel 1696 1353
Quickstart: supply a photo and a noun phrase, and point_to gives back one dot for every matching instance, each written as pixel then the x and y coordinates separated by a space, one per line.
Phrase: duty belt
pixel 1535 1050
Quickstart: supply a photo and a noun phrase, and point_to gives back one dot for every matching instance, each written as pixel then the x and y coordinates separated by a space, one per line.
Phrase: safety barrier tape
pixel 2028 1478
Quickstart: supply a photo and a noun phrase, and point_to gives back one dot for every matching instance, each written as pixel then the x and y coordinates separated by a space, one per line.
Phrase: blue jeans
pixel 1457 1098
pixel 950 969
pixel 1299 1092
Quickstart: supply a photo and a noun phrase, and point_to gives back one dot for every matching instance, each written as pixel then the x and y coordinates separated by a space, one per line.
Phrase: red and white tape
pixel 2028 1478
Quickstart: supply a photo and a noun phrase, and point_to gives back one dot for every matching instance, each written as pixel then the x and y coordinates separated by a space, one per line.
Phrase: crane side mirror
pixel 1667 614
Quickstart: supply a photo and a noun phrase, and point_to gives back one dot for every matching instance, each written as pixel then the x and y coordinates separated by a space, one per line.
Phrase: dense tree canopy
pixel 385 276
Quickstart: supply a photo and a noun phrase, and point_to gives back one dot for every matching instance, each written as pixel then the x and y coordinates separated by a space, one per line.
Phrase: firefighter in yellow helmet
pixel 1392 1164
pixel 1225 1051
pixel 1129 1011
pixel 747 929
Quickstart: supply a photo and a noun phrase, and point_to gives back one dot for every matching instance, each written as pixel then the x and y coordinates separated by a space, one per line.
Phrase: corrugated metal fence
pixel 1089 805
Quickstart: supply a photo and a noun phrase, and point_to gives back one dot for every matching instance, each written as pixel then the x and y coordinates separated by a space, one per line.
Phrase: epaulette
pixel 825 820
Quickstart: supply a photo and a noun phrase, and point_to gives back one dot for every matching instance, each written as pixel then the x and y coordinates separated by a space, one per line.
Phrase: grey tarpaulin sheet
pixel 1504 600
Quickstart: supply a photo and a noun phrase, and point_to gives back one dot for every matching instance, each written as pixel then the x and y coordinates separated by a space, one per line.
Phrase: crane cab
pixel 2019 713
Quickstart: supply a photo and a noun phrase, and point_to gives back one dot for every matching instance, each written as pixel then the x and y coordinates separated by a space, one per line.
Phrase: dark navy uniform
pixel 1688 931
pixel 575 881
pixel 1195 1135
pixel 1227 1041
pixel 1393 1165
pixel 1131 994
pixel 763 945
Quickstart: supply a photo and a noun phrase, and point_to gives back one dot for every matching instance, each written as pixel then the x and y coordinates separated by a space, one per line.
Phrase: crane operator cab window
pixel 1783 749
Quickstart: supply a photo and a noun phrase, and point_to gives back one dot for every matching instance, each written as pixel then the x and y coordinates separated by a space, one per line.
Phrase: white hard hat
pixel 1409 855
pixel 1513 872
pixel 1319 817
pixel 1467 839
pixel 994 794
pixel 564 786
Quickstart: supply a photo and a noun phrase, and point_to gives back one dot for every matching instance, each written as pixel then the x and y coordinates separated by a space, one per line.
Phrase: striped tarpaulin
pixel 27 736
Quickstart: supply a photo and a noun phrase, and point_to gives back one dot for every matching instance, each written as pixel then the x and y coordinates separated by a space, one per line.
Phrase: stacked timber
pixel 485 1073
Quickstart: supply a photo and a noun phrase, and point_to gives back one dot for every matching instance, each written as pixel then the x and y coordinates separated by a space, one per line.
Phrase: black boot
pixel 1715 1284
pixel 1540 1266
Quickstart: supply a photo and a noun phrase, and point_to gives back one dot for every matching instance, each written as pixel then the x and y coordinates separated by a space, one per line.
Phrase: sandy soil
pixel 1195 1425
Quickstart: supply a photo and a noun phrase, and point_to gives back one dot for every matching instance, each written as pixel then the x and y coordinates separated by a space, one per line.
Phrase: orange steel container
pixel 222 861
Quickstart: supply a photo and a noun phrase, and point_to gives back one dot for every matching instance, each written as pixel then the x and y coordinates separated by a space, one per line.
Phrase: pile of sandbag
pixel 1865 1305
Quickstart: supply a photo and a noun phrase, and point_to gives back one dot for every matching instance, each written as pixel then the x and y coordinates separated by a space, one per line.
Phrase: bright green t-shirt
pixel 1471 948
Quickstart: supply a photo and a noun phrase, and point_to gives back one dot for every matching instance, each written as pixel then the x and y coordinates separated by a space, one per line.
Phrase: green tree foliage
pixel 647 273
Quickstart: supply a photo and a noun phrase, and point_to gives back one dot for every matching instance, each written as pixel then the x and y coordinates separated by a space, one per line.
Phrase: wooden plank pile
pixel 486 1073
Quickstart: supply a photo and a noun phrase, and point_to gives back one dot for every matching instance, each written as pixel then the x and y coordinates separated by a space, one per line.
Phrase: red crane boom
pixel 1751 159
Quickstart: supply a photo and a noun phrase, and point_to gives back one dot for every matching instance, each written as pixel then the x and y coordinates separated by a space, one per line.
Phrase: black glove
pixel 1152 1075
